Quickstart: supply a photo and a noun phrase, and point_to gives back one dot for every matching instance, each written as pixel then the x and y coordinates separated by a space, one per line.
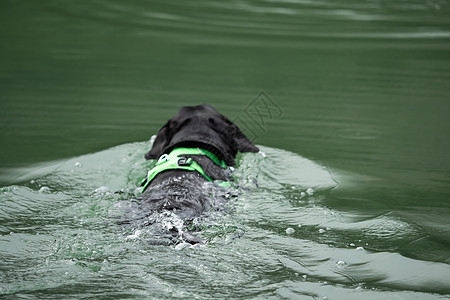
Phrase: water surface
pixel 361 94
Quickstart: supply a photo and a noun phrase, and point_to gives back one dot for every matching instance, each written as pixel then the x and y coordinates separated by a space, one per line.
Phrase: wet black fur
pixel 193 126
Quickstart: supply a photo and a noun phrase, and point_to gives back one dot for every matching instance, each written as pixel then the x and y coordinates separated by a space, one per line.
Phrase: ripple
pixel 247 21
pixel 263 233
pixel 358 133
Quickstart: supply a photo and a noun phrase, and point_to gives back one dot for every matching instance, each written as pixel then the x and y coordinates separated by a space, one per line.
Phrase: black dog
pixel 197 145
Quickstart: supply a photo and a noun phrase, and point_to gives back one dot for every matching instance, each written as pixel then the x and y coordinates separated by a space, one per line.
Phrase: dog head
pixel 202 126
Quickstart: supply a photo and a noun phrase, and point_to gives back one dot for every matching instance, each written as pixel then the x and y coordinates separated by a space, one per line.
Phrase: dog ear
pixel 242 143
pixel 160 143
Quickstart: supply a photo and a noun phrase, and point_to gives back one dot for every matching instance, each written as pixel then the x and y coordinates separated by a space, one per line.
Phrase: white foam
pixel 101 190
pixel 44 189
pixel 290 230
pixel 182 246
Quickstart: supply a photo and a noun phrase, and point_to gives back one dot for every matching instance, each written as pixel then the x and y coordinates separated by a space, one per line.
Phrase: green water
pixel 360 93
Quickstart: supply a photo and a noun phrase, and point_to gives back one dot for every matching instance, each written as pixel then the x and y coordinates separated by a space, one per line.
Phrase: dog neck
pixel 176 161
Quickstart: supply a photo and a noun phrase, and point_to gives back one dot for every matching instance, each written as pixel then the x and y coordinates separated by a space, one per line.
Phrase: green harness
pixel 173 161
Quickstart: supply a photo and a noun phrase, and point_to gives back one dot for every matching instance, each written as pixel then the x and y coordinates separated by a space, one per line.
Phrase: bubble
pixel 78 164
pixel 321 230
pixel 359 248
pixel 340 263
pixel 135 235
pixel 101 190
pixel 290 231
pixel 182 246
pixel 310 191
pixel 352 245
pixel 44 189
pixel 302 194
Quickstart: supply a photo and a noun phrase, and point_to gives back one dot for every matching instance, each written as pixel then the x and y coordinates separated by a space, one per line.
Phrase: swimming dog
pixel 195 146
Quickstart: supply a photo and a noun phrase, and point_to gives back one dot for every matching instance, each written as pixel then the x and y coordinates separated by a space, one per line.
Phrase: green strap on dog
pixel 173 161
